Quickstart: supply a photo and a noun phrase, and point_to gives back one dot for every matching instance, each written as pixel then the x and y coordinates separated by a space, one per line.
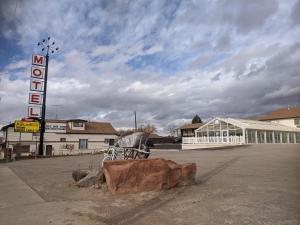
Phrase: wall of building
pixel 205 146
pixel 188 132
pixel 72 127
pixel 96 142
pixel 286 122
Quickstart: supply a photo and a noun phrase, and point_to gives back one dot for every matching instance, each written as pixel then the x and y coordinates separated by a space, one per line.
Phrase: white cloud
pixel 22 64
pixel 104 50
pixel 168 60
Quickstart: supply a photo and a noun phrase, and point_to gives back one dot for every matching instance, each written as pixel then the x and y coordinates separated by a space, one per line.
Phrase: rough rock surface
pixel 130 176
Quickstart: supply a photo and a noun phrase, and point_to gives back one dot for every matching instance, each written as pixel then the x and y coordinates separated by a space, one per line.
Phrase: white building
pixel 62 137
pixel 230 131
pixel 289 116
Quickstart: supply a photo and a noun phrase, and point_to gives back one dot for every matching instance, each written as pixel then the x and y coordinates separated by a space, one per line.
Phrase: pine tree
pixel 196 119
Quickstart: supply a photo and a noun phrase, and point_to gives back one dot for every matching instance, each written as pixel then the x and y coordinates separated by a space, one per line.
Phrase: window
pixel 284 137
pixel 297 121
pixel 277 136
pixel 269 135
pixel 62 139
pixel 83 143
pixel 109 142
pixel 291 137
pixel 297 137
pixel 211 134
pixel 251 136
pixel 239 132
pixel 77 124
pixel 261 136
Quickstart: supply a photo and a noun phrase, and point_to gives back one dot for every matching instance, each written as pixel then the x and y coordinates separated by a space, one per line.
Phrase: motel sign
pixel 36 86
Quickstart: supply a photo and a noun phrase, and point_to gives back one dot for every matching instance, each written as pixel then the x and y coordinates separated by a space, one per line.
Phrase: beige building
pixel 62 137
pixel 289 116
pixel 188 130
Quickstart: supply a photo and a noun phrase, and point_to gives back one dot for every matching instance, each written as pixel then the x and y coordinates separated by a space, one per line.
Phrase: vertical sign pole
pixel 43 122
pixel 48 47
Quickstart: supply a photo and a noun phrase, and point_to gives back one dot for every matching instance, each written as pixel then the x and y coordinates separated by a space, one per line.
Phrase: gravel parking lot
pixel 257 184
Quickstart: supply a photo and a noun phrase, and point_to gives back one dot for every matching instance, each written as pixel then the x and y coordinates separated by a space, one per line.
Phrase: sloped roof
pixel 90 127
pixel 256 125
pixel 77 120
pixel 191 126
pixel 283 113
pixel 7 126
pixel 55 121
pixel 94 128
pixel 154 136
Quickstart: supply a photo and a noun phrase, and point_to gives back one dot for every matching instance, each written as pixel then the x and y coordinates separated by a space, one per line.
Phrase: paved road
pixel 167 146
pixel 20 205
pixel 249 185
pixel 14 192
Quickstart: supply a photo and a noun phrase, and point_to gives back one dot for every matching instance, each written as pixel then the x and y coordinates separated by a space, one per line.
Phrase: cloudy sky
pixel 168 60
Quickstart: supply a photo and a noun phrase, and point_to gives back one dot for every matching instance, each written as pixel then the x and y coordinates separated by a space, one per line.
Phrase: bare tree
pixel 147 129
pixel 170 129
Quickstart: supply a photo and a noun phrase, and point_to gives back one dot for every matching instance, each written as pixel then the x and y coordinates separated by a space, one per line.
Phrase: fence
pixel 213 140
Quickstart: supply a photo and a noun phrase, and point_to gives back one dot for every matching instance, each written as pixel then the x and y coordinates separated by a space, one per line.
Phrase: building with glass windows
pixel 231 131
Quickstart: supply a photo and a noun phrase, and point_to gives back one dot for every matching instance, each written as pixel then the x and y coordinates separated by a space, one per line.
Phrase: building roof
pixel 7 126
pixel 94 128
pixel 77 120
pixel 284 113
pixel 255 124
pixel 191 126
pixel 154 136
pixel 55 121
pixel 90 127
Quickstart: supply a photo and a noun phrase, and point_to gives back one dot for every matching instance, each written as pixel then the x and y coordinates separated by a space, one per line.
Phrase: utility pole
pixel 135 125
pixel 48 47
pixel 56 113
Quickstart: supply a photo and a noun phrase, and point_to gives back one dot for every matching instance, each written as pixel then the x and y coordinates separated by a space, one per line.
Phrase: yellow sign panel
pixel 23 126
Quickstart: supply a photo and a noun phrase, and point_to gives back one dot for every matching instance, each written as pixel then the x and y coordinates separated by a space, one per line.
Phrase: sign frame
pixel 42 69
pixel 26 126
pixel 39 64
pixel 34 107
pixel 41 83
pixel 40 98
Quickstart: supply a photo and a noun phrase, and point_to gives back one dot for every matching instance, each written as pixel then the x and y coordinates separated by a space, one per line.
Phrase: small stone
pixel 79 174
pixel 93 178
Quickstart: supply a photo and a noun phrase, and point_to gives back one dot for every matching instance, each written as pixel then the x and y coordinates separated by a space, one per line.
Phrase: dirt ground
pixel 257 184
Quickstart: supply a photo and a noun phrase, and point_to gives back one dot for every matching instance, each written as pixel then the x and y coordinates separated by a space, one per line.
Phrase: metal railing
pixel 213 140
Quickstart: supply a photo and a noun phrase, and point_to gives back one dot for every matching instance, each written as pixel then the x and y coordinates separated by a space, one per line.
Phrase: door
pixel 49 150
pixel 7 153
pixel 111 142
pixel 225 136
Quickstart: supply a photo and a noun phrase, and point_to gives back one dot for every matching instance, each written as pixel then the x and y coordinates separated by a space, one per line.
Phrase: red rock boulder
pixel 130 176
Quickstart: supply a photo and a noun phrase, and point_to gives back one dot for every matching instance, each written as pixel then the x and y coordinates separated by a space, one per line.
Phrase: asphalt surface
pixel 167 146
pixel 247 185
